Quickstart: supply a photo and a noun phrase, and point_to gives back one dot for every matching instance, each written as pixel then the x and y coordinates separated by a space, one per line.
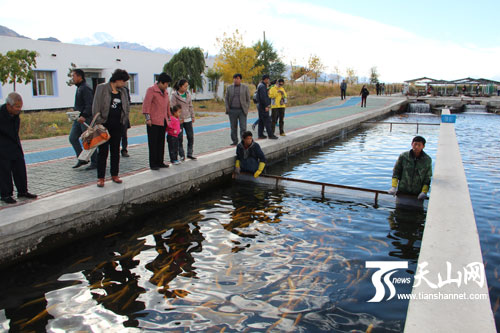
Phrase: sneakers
pixel 79 164
pixel 176 162
pixel 234 143
pixel 283 134
pixel 253 126
pixel 91 167
pixel 125 153
pixel 263 137
pixel 163 165
pixel 274 137
pixel 183 159
pixel 192 157
pixel 27 195
pixel 9 200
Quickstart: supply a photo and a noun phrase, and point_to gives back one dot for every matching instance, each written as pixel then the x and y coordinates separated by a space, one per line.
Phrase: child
pixel 173 132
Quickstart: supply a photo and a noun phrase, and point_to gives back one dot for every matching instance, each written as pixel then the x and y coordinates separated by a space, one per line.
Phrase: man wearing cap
pixel 413 171
pixel 263 107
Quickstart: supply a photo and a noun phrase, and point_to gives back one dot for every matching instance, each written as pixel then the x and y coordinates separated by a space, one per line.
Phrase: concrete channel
pixel 450 248
pixel 52 221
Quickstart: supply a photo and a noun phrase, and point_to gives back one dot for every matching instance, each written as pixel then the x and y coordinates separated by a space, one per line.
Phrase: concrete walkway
pixel 49 160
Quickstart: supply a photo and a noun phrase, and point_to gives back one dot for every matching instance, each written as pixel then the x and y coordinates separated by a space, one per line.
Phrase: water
pixel 478 140
pixel 419 108
pixel 242 257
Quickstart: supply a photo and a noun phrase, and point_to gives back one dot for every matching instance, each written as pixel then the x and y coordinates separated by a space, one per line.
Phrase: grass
pixel 43 124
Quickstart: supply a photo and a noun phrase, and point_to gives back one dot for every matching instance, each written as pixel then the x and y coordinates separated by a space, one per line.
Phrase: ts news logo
pixel 386 269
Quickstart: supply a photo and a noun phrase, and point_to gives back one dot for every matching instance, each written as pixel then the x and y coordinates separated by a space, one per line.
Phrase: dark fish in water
pixel 81 261
pixel 113 234
pixel 38 300
pixel 39 316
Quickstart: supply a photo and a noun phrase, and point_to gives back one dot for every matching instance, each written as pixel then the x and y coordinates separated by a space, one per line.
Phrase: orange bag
pixel 94 135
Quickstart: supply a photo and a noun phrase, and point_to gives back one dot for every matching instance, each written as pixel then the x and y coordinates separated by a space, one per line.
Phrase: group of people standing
pixel 271 99
pixel 164 115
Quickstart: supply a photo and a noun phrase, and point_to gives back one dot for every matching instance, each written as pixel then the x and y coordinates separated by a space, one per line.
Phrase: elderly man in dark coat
pixel 12 164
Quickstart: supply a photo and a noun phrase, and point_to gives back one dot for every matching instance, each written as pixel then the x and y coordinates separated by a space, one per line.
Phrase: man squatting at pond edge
pixel 249 156
pixel 413 171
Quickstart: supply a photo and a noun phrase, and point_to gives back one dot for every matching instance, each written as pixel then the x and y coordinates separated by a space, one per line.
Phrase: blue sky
pixel 468 22
pixel 404 40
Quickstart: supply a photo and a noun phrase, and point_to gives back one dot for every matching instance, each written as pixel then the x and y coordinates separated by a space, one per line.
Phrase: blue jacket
pixel 264 99
pixel 250 157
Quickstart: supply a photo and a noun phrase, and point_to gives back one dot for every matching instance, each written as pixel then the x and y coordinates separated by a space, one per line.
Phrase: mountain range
pixel 98 39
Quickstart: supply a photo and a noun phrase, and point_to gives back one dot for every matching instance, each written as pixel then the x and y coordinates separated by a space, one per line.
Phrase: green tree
pixel 215 76
pixel 70 75
pixel 268 57
pixel 234 57
pixel 17 66
pixel 373 75
pixel 189 64
pixel 316 67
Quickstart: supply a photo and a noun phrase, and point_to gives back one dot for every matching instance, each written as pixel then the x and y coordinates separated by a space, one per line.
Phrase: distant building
pixel 49 89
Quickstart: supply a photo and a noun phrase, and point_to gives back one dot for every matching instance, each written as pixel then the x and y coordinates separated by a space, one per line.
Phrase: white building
pixel 49 88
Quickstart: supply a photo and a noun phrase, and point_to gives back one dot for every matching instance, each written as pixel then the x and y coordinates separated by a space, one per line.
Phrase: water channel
pixel 250 258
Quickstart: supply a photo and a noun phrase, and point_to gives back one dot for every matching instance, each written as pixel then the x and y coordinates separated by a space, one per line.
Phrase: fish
pixel 240 279
pixel 497 304
pixel 38 300
pixel 378 241
pixel 270 329
pixel 113 234
pixel 296 322
pixel 369 329
pixel 130 301
pixel 39 316
pixel 364 248
pixel 82 261
pixel 228 271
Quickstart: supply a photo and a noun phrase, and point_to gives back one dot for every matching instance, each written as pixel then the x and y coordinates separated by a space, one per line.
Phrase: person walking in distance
pixel 112 107
pixel 182 97
pixel 156 110
pixel 83 104
pixel 343 89
pixel 237 102
pixel 364 95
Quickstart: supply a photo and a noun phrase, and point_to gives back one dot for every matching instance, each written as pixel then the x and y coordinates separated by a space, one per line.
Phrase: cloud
pixel 296 29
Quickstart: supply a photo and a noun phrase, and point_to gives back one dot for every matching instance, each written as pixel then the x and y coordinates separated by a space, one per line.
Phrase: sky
pixel 441 39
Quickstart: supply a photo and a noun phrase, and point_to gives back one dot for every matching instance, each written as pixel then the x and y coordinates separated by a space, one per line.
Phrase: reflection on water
pixel 240 258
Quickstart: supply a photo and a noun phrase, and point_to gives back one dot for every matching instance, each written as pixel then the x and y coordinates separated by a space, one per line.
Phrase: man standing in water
pixel 249 156
pixel 413 171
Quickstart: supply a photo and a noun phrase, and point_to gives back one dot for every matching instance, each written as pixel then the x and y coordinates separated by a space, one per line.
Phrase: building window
pixel 211 85
pixel 43 83
pixel 132 84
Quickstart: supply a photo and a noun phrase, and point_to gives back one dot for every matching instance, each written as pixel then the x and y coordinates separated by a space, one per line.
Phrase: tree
pixel 316 67
pixel 215 76
pixel 17 66
pixel 336 71
pixel 373 75
pixel 351 75
pixel 269 59
pixel 189 64
pixel 70 74
pixel 234 57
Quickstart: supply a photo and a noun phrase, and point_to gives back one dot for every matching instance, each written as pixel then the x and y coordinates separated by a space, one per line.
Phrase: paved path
pixel 49 161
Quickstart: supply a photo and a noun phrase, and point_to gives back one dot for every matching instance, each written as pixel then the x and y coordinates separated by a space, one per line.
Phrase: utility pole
pixel 264 36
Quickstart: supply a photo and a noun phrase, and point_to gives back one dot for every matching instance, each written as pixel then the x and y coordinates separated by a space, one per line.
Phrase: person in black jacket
pixel 83 103
pixel 364 95
pixel 263 107
pixel 249 156
pixel 12 164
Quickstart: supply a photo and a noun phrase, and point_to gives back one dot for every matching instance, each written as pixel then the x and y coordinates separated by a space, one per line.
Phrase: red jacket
pixel 157 105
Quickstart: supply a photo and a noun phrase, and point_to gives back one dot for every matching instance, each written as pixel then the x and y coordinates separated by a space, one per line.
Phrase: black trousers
pixel 156 145
pixel 278 114
pixel 188 127
pixel 264 122
pixel 124 138
pixel 10 169
pixel 363 101
pixel 173 147
pixel 113 147
pixel 342 93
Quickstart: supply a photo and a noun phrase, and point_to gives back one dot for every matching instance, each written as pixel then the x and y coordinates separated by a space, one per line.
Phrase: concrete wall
pixel 57 58
pixel 71 214
pixel 450 236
